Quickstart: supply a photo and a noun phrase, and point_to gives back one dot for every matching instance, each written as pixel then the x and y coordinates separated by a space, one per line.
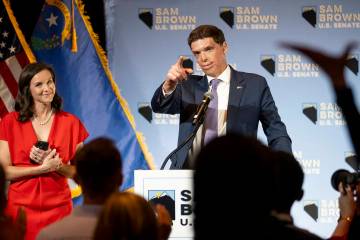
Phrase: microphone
pixel 197 121
pixel 201 110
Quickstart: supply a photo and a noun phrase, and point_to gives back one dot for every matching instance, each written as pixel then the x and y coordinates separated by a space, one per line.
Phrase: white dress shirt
pixel 223 90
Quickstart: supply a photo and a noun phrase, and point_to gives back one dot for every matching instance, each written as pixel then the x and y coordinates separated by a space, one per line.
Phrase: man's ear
pixel 225 46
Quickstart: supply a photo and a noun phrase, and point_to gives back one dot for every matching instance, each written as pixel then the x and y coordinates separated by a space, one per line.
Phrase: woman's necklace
pixel 46 120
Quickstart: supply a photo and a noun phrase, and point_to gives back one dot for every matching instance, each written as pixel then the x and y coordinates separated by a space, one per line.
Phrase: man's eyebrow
pixel 203 49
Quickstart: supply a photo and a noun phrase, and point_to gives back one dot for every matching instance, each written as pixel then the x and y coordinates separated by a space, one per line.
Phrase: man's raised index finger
pixel 180 61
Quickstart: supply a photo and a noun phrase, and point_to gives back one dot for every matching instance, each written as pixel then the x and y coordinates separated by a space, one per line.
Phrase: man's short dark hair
pixel 206 31
pixel 98 167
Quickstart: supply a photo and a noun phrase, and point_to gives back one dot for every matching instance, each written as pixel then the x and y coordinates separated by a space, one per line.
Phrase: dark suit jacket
pixel 250 101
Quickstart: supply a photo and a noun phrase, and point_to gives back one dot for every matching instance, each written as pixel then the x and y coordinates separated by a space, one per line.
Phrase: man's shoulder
pixel 69 227
pixel 248 76
pixel 251 80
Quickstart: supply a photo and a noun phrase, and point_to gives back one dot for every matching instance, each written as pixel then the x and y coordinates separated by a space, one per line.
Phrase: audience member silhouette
pixel 129 216
pixel 229 179
pixel 266 188
pixel 288 181
pixel 99 173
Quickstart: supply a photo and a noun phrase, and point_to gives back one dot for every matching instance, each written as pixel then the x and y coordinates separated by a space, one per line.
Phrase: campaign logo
pixel 227 15
pixel 331 17
pixel 352 160
pixel 248 18
pixel 323 211
pixel 330 114
pixel 163 19
pixel 310 111
pixel 165 198
pixel 268 62
pixel 309 14
pixel 312 209
pixel 145 110
pixel 146 16
pixel 309 166
pixel 352 63
pixel 166 119
pixel 289 65
pixel 324 114
pixel 329 211
pixel 297 66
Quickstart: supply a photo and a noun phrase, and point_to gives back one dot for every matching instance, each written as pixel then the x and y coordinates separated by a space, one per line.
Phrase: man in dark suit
pixel 242 99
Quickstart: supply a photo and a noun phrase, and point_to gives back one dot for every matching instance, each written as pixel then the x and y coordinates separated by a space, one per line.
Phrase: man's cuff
pixel 165 94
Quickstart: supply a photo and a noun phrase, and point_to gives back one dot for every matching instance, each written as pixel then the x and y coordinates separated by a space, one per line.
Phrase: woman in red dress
pixel 38 174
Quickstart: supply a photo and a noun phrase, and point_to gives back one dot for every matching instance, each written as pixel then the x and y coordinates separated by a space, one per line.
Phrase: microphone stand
pixel 198 120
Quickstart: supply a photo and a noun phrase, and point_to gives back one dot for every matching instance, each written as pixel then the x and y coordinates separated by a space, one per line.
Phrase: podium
pixel 173 189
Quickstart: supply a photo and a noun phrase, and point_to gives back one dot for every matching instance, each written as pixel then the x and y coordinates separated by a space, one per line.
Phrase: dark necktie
pixel 211 119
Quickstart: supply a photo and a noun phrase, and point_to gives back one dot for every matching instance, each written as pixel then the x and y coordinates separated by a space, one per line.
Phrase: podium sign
pixel 173 189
